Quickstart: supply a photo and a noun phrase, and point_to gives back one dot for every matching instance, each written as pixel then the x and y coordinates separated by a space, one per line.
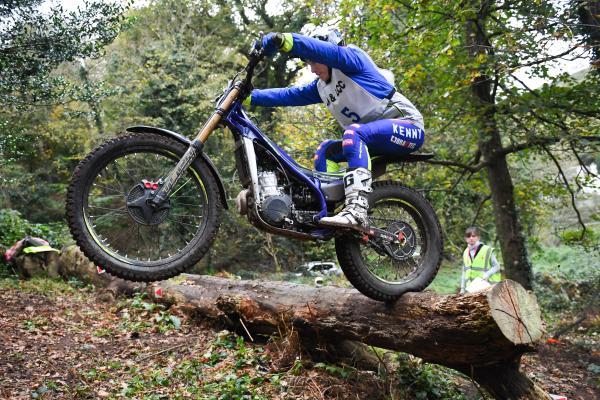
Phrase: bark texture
pixel 481 334
pixel 483 87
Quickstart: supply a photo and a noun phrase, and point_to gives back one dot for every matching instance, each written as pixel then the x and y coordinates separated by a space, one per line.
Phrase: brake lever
pixel 257 43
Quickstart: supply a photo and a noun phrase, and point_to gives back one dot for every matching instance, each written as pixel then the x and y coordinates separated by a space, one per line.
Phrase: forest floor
pixel 68 341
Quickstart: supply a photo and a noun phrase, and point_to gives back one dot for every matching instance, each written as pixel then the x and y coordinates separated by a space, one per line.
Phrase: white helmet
pixel 329 35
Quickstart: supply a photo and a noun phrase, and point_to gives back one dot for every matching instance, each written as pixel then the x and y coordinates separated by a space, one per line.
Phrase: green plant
pixel 95 374
pixel 138 302
pixel 104 332
pixel 297 367
pixel 589 238
pixel 8 275
pixel 30 325
pixel 166 321
pixel 342 371
pixel 566 278
pixel 13 227
pixel 77 284
pixel 232 386
pixel 426 381
pixel 52 385
pixel 45 286
pixel 138 315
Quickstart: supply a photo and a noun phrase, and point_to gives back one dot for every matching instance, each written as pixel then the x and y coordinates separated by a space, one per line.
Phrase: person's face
pixel 321 70
pixel 472 239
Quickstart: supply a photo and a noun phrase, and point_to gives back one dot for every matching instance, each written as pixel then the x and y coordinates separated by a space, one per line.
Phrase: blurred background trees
pixel 515 132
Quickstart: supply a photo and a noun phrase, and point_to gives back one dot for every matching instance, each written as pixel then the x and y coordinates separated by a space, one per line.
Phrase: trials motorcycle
pixel 147 205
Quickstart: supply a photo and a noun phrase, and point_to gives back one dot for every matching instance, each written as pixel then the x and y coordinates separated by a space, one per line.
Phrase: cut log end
pixel 516 312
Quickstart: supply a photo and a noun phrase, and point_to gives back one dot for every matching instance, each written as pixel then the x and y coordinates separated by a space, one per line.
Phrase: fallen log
pixel 74 264
pixel 481 334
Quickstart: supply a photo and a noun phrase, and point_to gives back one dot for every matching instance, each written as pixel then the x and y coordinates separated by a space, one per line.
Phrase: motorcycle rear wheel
pixel 384 271
pixel 109 215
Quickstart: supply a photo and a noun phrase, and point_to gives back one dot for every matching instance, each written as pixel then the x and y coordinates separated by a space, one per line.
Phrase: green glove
pixel 277 41
pixel 287 43
pixel 247 101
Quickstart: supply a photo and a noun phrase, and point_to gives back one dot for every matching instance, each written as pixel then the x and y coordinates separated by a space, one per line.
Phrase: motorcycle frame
pixel 249 134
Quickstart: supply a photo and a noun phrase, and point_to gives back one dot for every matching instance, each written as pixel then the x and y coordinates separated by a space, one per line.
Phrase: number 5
pixel 354 116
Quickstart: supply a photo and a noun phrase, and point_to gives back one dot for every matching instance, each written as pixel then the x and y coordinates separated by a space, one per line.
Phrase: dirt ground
pixel 74 345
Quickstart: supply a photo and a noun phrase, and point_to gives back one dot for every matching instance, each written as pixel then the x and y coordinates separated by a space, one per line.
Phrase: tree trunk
pixel 589 12
pixel 474 333
pixel 508 227
pixel 505 381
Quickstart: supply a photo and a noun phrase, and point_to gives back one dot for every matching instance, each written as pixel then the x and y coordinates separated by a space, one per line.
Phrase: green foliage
pixel 174 57
pixel 566 279
pixel 425 381
pixel 43 286
pixel 170 78
pixel 226 371
pixel 297 367
pixel 14 227
pixel 589 238
pixel 139 315
pixel 343 371
pixel 35 42
pixel 35 323
pixel 38 50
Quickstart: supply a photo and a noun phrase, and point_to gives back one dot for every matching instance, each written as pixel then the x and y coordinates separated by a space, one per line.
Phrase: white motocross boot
pixel 357 184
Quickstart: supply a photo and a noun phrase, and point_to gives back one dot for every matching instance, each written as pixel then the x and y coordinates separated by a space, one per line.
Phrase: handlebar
pixel 256 55
pixel 245 85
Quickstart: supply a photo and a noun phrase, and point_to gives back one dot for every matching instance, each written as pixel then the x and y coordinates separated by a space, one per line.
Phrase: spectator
pixel 479 263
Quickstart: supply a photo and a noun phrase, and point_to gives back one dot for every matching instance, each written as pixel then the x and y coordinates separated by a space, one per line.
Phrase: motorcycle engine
pixel 275 205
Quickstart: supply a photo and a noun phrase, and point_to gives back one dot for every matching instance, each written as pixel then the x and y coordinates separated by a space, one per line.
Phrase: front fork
pixel 195 149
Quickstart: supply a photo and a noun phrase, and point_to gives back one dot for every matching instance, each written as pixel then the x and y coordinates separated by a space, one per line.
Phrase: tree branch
pixel 541 141
pixel 566 182
pixel 240 8
pixel 486 198
pixel 262 12
pixel 450 163
pixel 426 11
pixel 586 169
pixel 549 58
pixel 554 105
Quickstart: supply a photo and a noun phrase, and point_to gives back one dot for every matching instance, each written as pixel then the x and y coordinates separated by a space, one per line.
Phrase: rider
pixel 375 117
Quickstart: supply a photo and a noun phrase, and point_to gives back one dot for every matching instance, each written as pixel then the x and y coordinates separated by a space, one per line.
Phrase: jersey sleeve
pixel 347 59
pixel 292 96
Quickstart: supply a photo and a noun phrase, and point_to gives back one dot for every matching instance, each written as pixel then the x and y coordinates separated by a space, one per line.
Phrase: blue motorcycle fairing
pixel 238 119
pixel 180 138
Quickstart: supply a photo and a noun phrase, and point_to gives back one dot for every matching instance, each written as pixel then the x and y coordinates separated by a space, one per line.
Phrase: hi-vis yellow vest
pixel 482 263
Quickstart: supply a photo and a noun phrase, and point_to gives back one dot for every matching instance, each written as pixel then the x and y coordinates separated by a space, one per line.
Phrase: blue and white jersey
pixel 357 92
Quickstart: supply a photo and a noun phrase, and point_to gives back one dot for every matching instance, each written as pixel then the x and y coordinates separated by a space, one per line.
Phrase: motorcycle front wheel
pixel 385 271
pixel 111 218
